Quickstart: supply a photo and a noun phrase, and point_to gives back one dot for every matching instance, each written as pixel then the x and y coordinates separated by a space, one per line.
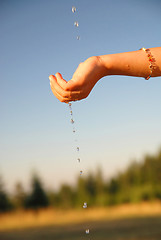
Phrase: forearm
pixel 132 63
pixel 94 68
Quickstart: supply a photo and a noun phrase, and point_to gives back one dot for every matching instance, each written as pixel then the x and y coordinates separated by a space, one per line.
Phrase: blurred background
pixel 117 126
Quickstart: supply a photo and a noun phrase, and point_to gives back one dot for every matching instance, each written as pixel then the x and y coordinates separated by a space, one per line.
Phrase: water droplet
pixel 73 9
pixel 70 104
pixel 78 160
pixel 78 37
pixel 73 130
pixel 72 121
pixel 71 113
pixel 87 231
pixel 78 149
pixel 85 205
pixel 76 24
pixel 81 172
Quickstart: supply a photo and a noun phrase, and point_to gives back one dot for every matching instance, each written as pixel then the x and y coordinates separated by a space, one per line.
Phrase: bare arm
pixel 94 68
pixel 132 63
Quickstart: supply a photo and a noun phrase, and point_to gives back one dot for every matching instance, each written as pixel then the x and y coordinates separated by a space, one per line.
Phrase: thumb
pixel 62 82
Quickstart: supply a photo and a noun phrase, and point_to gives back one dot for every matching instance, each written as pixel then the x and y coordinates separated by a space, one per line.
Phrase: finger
pixel 62 82
pixel 57 87
pixel 73 85
pixel 67 86
pixel 59 97
pixel 54 85
pixel 67 95
pixel 52 78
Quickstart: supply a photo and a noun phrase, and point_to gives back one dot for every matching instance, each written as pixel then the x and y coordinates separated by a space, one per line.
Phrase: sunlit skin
pixel 94 68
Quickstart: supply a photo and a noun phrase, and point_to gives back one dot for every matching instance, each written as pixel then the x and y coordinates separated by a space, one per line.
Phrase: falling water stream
pixel 76 24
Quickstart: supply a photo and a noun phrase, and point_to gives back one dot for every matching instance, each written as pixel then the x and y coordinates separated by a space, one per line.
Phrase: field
pixel 123 229
pixel 134 222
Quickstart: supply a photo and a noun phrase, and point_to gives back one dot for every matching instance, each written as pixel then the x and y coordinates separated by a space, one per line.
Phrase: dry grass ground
pixel 26 219
pixel 145 228
pixel 126 222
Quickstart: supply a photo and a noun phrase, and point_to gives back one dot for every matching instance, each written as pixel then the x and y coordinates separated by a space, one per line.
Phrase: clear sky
pixel 119 121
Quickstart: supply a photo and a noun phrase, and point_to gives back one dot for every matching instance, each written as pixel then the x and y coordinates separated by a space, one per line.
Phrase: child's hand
pixel 82 82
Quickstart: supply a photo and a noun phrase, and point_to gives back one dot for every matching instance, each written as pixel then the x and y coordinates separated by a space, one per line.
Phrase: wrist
pixel 106 64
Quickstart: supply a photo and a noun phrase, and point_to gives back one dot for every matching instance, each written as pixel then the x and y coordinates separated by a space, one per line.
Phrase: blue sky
pixel 118 122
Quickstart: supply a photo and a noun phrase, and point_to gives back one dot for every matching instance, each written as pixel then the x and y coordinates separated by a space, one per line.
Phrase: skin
pixel 94 68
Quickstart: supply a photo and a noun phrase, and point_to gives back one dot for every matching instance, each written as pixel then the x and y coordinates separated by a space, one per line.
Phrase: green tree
pixel 54 198
pixel 38 197
pixel 90 187
pixel 99 182
pixel 5 204
pixel 100 188
pixel 66 196
pixel 113 186
pixel 81 192
pixel 19 196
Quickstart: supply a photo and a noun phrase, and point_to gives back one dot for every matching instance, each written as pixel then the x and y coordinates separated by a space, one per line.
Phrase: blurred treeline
pixel 141 181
